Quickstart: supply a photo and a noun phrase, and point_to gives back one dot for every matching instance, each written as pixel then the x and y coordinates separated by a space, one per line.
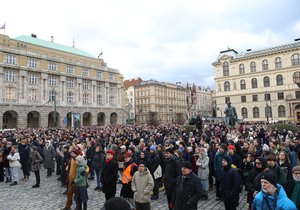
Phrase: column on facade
pixel 79 92
pixel 106 93
pixel 93 94
pixel 1 87
pixel 62 90
pixel 22 86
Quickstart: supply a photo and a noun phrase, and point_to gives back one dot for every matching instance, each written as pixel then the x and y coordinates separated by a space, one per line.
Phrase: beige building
pixel 46 84
pixel 159 102
pixel 261 84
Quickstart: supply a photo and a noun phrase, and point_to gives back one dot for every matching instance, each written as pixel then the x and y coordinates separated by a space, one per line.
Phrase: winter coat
pixel 35 160
pixel 14 160
pixel 126 190
pixel 109 177
pixel 283 202
pixel 153 162
pixel 280 175
pixel 203 168
pixel 218 165
pixel 188 192
pixel 49 157
pixel 142 185
pixel 230 185
pixel 172 172
pixel 81 177
pixel 98 160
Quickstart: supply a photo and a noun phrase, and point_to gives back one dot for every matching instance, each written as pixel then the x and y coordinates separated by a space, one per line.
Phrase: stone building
pixel 46 84
pixel 263 85
pixel 160 102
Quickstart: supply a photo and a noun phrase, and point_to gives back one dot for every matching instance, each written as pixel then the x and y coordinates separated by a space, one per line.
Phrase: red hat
pixel 76 151
pixel 110 152
pixel 231 147
pixel 128 154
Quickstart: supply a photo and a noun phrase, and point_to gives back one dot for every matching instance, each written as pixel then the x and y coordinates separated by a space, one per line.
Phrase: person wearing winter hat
pixel 188 189
pixel 116 203
pixel 153 147
pixel 272 195
pixel 155 170
pixel 292 187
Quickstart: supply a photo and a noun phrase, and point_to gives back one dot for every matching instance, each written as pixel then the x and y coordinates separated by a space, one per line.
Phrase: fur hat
pixel 270 177
pixel 117 203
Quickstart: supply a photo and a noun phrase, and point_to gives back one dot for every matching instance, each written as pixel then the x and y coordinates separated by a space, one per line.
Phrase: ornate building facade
pixel 45 84
pixel 263 85
pixel 129 86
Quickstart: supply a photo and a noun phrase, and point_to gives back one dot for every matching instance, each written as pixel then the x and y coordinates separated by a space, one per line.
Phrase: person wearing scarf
pixel 293 187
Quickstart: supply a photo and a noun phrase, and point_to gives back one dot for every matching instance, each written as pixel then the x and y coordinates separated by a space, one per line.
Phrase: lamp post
pixel 267 114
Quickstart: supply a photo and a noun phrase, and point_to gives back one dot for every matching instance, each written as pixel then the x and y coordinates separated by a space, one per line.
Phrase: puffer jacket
pixel 14 160
pixel 142 185
pixel 203 168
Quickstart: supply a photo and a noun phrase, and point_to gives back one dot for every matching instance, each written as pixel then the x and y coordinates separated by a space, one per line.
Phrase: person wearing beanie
pixel 171 174
pixel 272 195
pixel 292 187
pixel 155 170
pixel 109 175
pixel 236 159
pixel 116 203
pixel 153 147
pixel 222 150
pixel 188 189
pixel 36 160
pixel 142 185
pixel 230 184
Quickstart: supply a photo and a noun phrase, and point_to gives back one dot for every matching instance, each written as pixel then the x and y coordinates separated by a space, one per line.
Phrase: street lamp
pixel 267 111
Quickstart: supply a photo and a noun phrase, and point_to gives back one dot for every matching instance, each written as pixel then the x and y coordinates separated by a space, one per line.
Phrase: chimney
pixel 33 35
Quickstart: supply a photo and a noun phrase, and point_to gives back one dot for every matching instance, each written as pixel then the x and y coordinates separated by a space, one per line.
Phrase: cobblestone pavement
pixel 50 196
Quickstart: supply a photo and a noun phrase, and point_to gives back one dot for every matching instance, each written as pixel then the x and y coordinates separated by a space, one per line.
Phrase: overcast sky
pixel 166 40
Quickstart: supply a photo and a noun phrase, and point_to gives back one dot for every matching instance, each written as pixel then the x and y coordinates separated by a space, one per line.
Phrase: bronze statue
pixel 231 116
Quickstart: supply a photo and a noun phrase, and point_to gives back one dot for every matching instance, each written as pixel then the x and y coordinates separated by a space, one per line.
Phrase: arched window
pixel 268 112
pixel 225 69
pixel 226 86
pixel 242 84
pixel 254 83
pixel 252 66
pixel 244 112
pixel 265 65
pixel 279 80
pixel 255 112
pixel 266 81
pixel 295 59
pixel 277 63
pixel 281 111
pixel 242 68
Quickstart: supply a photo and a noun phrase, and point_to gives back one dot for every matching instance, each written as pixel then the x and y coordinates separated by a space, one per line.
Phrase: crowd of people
pixel 257 158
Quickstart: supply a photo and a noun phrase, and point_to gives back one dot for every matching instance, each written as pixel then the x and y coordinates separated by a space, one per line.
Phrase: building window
pixel 244 112
pixel 85 85
pixel 85 98
pixel 243 99
pixel 265 65
pixel 70 83
pixel 277 63
pixel 70 69
pixel 10 76
pixel 85 72
pixel 52 66
pixel 100 86
pixel 280 96
pixel 255 112
pixel 99 74
pixel 225 69
pixel 99 99
pixel 279 80
pixel 267 97
pixel 70 97
pixel 10 93
pixel 226 86
pixel 254 83
pixel 32 96
pixel 281 111
pixel 111 76
pixel 266 81
pixel 112 100
pixel 243 84
pixel 252 67
pixel 296 77
pixel 297 93
pixel 33 63
pixel 11 59
pixel 52 81
pixel 295 59
pixel 242 69
pixel 32 79
pixel 227 99
pixel 254 98
pixel 52 95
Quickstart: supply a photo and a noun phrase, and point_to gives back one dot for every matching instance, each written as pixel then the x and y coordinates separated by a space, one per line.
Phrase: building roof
pixel 155 82
pixel 132 82
pixel 52 45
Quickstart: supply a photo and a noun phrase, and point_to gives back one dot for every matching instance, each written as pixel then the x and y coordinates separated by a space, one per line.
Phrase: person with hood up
pixel 272 195
pixel 230 184
pixel 80 182
pixel 142 185
pixel 49 158
pixel 203 171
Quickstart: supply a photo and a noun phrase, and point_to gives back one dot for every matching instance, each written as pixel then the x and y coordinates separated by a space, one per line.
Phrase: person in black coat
pixel 24 150
pixel 153 164
pixel 188 189
pixel 230 184
pixel 109 175
pixel 98 164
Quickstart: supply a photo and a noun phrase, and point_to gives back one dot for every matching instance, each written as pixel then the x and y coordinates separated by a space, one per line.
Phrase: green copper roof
pixel 51 45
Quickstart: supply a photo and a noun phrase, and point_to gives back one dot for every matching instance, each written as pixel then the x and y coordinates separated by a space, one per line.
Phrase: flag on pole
pixel 2 27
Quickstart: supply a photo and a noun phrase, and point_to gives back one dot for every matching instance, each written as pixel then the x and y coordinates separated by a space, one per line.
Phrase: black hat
pixel 117 203
pixel 142 162
pixel 187 164
pixel 170 150
pixel 270 177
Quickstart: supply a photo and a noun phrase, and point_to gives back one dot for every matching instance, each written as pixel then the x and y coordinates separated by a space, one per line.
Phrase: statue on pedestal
pixel 231 116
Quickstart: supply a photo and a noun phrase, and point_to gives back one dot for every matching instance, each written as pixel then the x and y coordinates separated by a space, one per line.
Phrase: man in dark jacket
pixel 171 174
pixel 153 164
pixel 230 184
pixel 188 189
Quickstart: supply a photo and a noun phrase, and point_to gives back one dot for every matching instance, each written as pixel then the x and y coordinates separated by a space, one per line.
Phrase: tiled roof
pixel 132 82
pixel 52 45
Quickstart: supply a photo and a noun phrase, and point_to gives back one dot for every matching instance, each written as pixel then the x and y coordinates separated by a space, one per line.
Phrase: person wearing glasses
pixel 293 186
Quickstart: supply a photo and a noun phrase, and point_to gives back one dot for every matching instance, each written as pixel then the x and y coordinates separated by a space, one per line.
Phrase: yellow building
pixel 263 85
pixel 46 84
pixel 159 102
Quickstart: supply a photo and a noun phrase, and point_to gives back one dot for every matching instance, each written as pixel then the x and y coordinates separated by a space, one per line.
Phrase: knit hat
pixel 270 177
pixel 296 168
pixel 187 164
pixel 231 147
pixel 128 154
pixel 170 150
pixel 34 148
pixel 112 152
pixel 153 147
pixel 117 203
